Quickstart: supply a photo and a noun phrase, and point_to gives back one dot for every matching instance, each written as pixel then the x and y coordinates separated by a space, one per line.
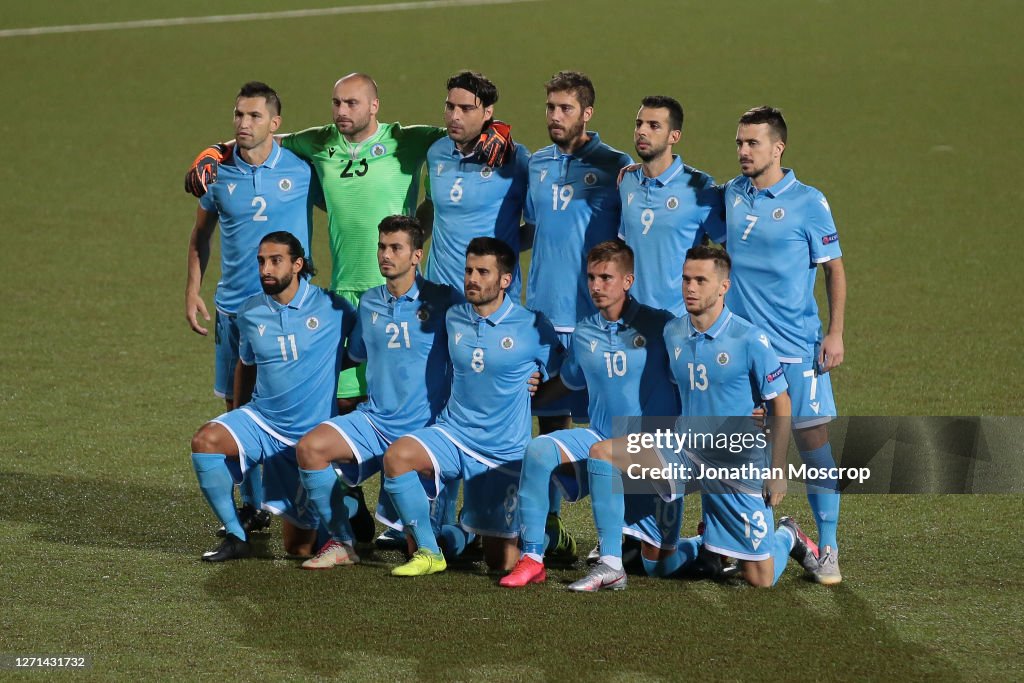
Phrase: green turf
pixel 902 113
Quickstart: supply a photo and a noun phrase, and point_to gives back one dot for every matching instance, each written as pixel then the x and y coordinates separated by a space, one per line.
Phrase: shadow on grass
pixel 104 512
pixel 456 626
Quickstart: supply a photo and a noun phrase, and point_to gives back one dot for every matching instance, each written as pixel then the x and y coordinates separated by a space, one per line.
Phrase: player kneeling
pixel 290 348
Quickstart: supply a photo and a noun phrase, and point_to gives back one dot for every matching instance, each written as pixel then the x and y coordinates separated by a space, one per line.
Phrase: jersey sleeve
pixel 550 352
pixel 206 203
pixel 529 211
pixel 303 144
pixel 245 352
pixel 356 346
pixel 821 228
pixel 571 372
pixel 766 369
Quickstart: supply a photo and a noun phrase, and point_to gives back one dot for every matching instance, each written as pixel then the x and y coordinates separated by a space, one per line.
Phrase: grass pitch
pixel 902 113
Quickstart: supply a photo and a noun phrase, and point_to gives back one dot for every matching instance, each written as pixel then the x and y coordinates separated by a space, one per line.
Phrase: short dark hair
pixel 675 110
pixel 258 89
pixel 723 263
pixel 576 83
pixel 407 224
pixel 492 246
pixel 476 83
pixel 295 250
pixel 765 114
pixel 612 250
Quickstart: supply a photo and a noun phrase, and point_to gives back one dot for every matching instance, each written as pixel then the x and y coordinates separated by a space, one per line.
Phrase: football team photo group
pixel 476 399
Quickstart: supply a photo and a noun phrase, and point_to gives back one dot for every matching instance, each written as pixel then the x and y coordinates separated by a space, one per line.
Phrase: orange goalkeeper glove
pixel 495 145
pixel 203 172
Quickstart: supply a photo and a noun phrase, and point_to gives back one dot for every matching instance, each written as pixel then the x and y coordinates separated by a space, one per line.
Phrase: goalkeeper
pixel 368 170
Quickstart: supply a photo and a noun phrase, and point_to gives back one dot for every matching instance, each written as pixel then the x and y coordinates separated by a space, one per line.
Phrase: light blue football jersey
pixel 472 200
pixel 404 343
pixel 297 350
pixel 723 372
pixel 776 239
pixel 251 202
pixel 624 366
pixel 574 202
pixel 492 358
pixel 663 217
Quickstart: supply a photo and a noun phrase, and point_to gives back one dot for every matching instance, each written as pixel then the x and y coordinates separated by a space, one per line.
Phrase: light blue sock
pixel 413 507
pixel 782 543
pixel 327 494
pixel 609 504
pixel 455 539
pixel 686 552
pixel 823 497
pixel 542 458
pixel 218 487
pixel 251 488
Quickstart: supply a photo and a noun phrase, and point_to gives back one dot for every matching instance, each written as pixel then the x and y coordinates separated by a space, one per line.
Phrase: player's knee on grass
pixel 214 438
pixel 298 542
pixel 654 553
pixel 322 446
pixel 759 573
pixel 500 554
pixel 811 438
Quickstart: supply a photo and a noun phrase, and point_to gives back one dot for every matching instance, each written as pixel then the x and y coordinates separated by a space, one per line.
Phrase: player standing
pixel 779 232
pixel 472 196
pixel 481 435
pixel 401 336
pixel 619 355
pixel 667 206
pixel 291 341
pixel 264 188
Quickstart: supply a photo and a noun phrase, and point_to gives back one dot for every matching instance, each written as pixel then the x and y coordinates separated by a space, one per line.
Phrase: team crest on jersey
pixel 261 329
pixel 373 318
pixel 639 341
pixel 677 351
pixel 312 323
pixel 423 315
pixel 458 338
pixel 507 343
pixel 285 184
pixel 593 345
pixel 672 204
pixel 737 200
pixel 440 167
pixel 779 213
pixel 486 172
pixel 590 178
pixel 764 340
pixel 629 199
pixel 723 358
pixel 378 150
pixel 231 188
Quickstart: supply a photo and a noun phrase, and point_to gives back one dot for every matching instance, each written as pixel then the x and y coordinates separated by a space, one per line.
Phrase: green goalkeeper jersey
pixel 363 182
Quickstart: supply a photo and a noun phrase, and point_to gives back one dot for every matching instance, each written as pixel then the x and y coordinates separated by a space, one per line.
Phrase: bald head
pixel 355 106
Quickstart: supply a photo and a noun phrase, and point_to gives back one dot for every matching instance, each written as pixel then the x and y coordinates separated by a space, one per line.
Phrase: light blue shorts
pixel 225 344
pixel 811 394
pixel 491 488
pixel 283 493
pixel 738 525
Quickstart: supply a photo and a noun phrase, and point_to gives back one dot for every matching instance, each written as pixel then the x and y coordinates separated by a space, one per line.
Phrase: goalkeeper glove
pixel 203 172
pixel 495 145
